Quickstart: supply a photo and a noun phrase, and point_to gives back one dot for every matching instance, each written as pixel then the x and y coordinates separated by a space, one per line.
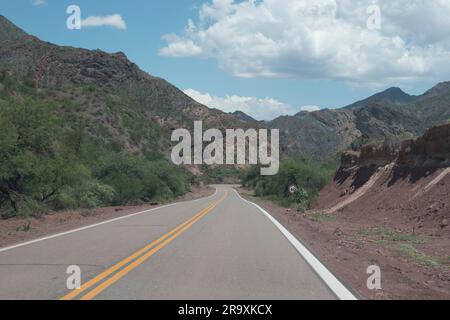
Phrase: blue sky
pixel 217 74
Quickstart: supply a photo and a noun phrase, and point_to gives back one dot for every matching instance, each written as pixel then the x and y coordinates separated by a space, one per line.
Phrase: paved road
pixel 221 247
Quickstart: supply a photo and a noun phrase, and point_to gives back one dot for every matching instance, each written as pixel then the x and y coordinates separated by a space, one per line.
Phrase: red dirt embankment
pixel 388 205
pixel 395 200
pixel 404 185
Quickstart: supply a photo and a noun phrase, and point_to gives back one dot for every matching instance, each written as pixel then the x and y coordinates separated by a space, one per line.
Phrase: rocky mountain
pixel 392 95
pixel 117 101
pixel 389 115
pixel 243 116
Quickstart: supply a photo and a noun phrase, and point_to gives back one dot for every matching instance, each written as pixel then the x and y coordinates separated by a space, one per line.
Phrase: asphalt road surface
pixel 221 247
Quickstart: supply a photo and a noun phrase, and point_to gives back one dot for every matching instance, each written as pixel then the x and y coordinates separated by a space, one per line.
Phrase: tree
pixel 33 170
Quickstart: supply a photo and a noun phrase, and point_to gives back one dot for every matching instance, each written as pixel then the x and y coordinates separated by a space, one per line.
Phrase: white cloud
pixel 38 2
pixel 114 21
pixel 177 48
pixel 309 108
pixel 321 39
pixel 259 109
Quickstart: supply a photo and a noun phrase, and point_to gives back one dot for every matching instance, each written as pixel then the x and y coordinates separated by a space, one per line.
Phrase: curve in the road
pixel 221 247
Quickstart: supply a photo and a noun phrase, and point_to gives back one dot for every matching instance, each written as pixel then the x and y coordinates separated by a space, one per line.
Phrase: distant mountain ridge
pixel 124 105
pixel 243 116
pixel 388 115
pixel 392 95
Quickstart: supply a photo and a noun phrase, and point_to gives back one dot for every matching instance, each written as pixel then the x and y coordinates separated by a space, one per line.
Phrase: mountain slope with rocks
pixel 391 115
pixel 121 104
pixel 107 90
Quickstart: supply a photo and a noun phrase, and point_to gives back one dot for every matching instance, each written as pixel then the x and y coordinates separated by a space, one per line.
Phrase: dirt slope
pixel 405 185
pixel 389 205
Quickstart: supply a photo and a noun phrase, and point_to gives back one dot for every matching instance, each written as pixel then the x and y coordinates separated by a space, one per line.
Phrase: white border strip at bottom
pixel 330 280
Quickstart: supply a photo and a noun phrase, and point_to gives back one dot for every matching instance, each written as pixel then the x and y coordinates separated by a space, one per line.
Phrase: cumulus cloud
pixel 259 109
pixel 321 39
pixel 114 21
pixel 178 47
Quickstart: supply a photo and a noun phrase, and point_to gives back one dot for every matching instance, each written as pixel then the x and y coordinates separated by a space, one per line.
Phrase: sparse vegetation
pixel 445 260
pixel 413 255
pixel 320 217
pixel 24 228
pixel 400 242
pixel 389 235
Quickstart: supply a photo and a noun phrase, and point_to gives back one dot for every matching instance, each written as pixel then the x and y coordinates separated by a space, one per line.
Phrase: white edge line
pixel 100 224
pixel 330 280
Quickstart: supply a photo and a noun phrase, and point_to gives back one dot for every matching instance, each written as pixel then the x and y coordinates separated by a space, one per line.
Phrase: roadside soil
pixel 13 231
pixel 405 241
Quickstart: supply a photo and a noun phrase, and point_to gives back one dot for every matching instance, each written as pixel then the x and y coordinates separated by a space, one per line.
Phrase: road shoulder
pixel 348 258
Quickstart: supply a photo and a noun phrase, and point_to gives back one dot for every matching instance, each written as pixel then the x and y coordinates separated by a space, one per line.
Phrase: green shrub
pixel 260 188
pixel 308 178
pixel 301 199
pixel 91 194
pixel 50 164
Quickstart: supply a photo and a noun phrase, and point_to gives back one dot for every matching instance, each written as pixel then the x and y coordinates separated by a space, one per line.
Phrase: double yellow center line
pixel 125 266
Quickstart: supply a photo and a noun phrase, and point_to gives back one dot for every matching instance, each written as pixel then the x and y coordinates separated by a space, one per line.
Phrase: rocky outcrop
pixel 430 150
pixel 405 185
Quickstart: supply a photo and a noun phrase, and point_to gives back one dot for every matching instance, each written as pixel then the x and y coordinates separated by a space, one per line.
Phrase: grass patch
pixel 401 243
pixel 24 228
pixel 445 260
pixel 320 217
pixel 385 235
pixel 413 255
